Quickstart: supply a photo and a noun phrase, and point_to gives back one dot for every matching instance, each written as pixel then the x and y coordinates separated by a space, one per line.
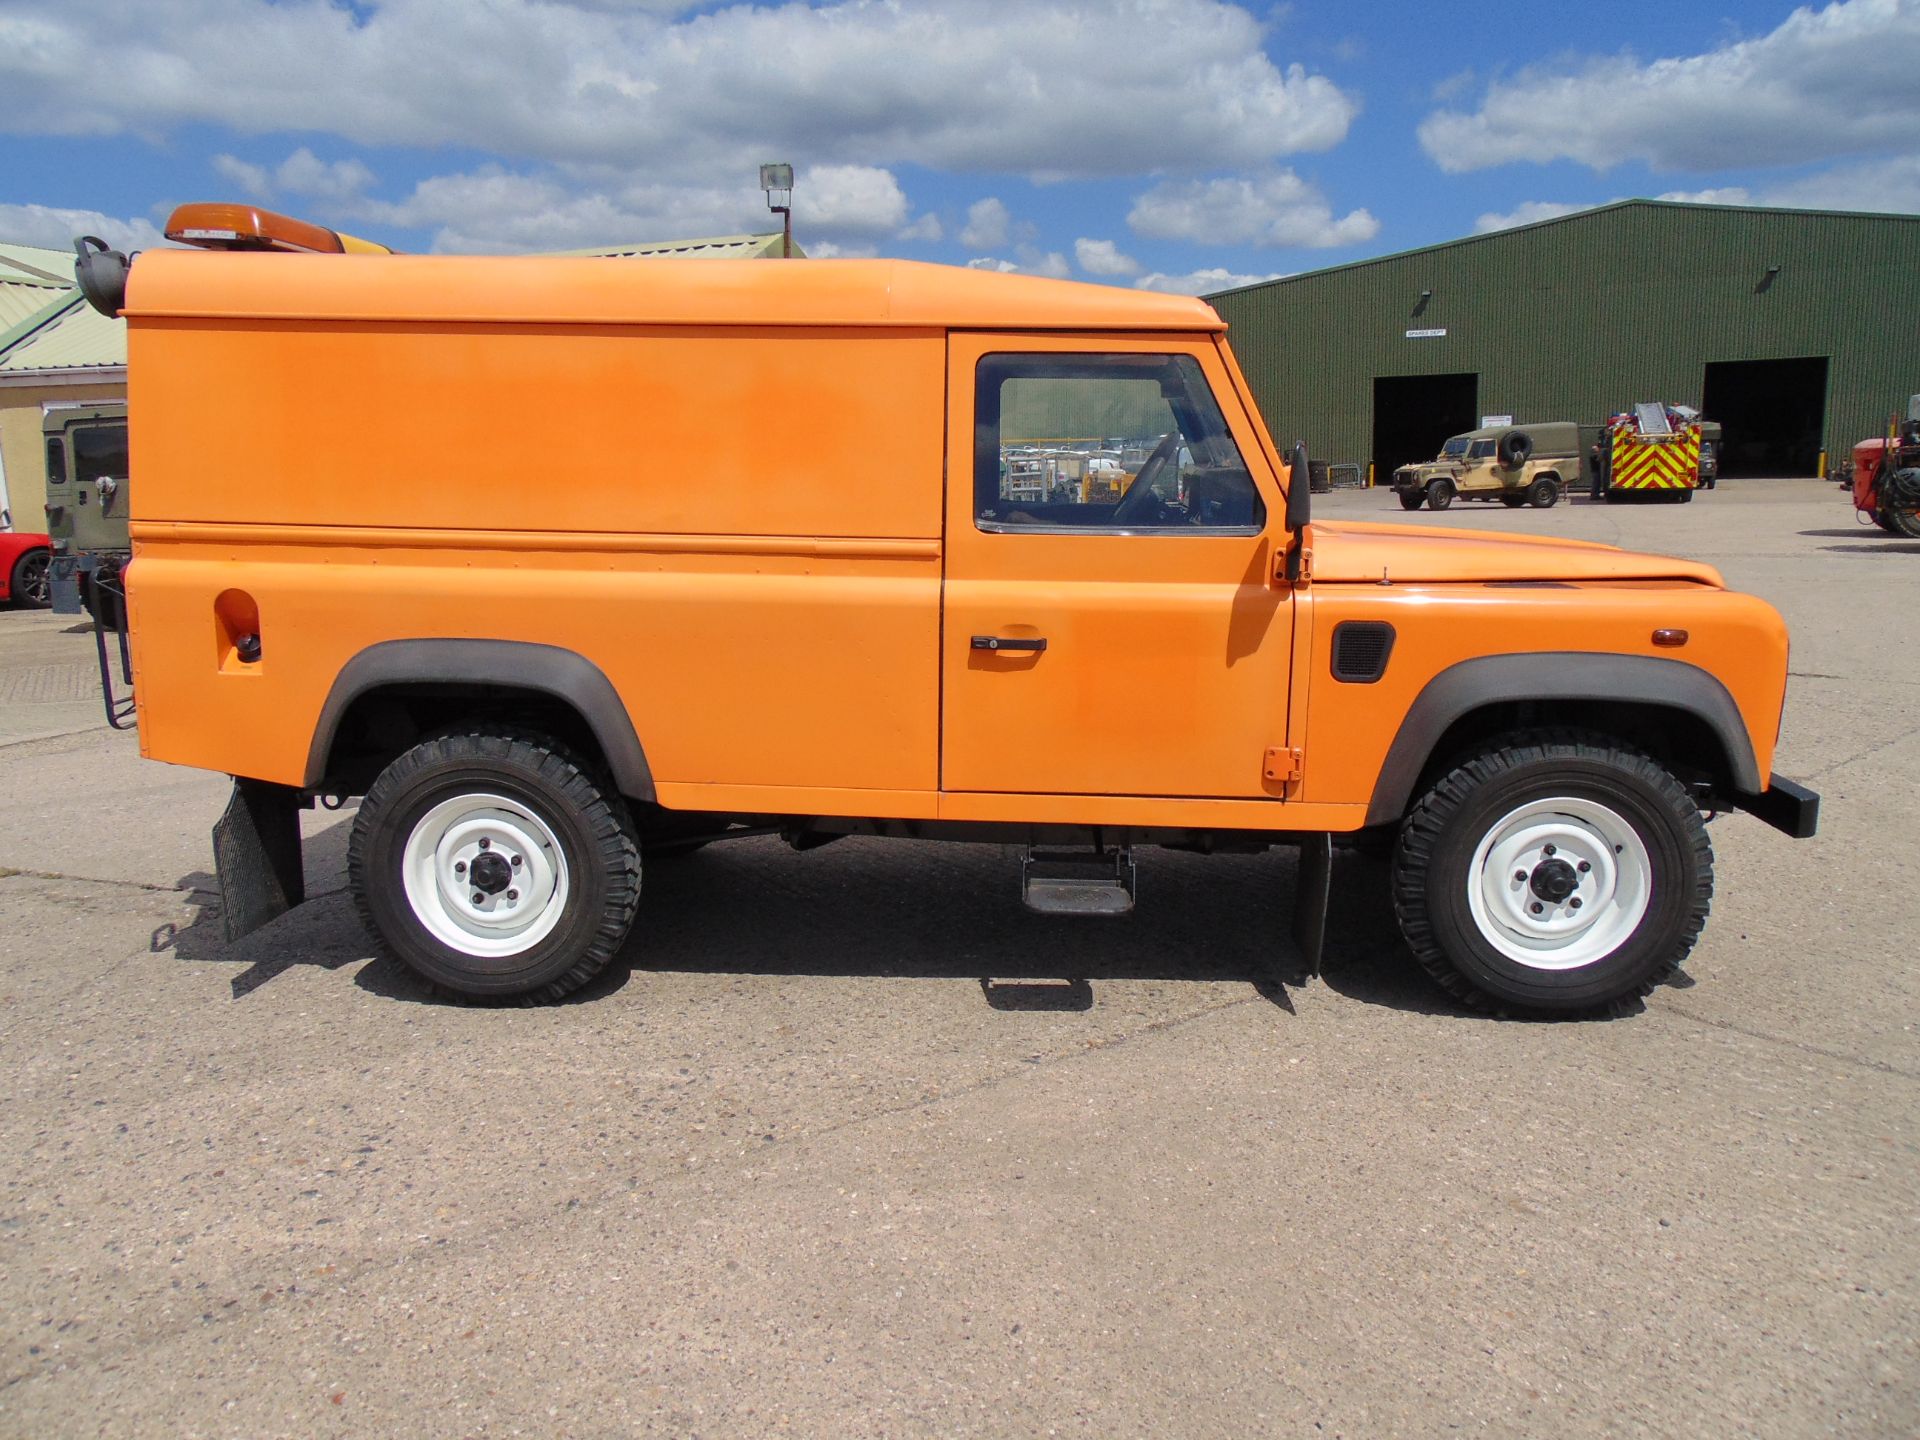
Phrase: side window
pixel 56 460
pixel 1116 442
pixel 1482 450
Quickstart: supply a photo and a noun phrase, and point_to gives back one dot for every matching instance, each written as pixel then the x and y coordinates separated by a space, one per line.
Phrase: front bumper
pixel 1791 809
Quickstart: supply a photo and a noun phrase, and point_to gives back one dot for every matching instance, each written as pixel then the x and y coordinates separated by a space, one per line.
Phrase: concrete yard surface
pixel 849 1144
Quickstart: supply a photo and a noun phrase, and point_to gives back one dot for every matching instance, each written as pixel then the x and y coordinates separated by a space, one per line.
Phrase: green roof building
pixel 1795 329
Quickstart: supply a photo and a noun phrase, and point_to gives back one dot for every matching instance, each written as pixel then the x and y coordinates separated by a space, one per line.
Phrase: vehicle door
pixel 1482 472
pixel 1128 638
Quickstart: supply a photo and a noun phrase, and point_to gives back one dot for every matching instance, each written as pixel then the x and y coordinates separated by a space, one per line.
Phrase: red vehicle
pixel 1886 481
pixel 23 569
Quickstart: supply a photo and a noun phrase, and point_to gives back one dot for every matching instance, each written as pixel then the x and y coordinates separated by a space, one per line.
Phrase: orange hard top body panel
pixel 594 290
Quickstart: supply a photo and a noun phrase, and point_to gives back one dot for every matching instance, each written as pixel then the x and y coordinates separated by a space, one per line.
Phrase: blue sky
pixel 1179 144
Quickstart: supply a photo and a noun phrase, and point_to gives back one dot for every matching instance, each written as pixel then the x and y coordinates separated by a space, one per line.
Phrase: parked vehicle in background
pixel 541 689
pixel 23 569
pixel 1656 452
pixel 1514 464
pixel 87 504
pixel 1886 476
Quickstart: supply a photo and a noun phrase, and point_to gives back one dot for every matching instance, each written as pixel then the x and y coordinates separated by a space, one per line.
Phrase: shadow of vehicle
pixel 894 909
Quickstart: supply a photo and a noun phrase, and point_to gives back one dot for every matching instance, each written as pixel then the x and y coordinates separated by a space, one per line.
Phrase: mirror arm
pixel 1299 509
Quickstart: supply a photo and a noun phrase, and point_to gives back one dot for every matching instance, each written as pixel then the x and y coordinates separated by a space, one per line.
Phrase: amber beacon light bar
pixel 246 227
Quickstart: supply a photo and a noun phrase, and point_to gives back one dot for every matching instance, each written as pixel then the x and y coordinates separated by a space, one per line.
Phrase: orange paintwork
pixel 744 492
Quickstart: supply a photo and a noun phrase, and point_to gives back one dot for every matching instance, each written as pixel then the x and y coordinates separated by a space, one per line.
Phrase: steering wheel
pixel 1140 502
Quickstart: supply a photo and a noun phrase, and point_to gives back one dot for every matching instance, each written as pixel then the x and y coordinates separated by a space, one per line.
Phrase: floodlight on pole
pixel 777 181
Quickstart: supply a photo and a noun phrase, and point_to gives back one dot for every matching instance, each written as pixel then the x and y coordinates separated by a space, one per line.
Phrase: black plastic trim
pixel 1555 675
pixel 502 664
pixel 1790 808
pixel 1339 662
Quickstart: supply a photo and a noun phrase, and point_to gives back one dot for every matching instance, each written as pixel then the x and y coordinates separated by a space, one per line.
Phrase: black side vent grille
pixel 1361 649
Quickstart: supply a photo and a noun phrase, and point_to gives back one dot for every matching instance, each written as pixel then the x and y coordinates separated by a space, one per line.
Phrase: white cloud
pixel 1103 257
pixel 1524 213
pixel 1278 208
pixel 1825 83
pixel 497 210
pixel 252 180
pixel 986 86
pixel 827 250
pixel 927 227
pixel 986 227
pixel 849 198
pixel 1050 263
pixel 1198 282
pixel 304 173
pixel 56 228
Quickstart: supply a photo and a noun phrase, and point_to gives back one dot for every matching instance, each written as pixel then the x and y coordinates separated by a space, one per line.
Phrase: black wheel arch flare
pixel 507 665
pixel 1554 676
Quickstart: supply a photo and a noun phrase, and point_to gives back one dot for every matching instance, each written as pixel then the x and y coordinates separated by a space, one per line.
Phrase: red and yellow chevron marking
pixel 1663 464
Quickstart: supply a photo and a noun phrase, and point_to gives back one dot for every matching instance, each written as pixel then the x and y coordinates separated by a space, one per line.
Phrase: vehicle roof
pixel 569 290
pixel 1533 427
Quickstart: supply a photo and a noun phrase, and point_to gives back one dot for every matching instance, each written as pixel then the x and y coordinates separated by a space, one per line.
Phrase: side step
pixel 1078 882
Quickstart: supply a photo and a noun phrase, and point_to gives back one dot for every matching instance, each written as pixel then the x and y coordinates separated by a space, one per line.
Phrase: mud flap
pixel 1312 887
pixel 256 856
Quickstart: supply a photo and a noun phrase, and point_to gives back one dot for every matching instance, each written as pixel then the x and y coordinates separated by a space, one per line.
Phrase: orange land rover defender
pixel 567 565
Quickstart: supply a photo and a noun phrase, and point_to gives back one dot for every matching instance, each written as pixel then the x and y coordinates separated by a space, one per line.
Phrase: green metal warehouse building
pixel 1797 330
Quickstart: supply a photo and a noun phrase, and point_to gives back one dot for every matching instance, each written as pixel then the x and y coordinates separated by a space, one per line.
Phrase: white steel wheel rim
pixel 1612 883
pixel 438 876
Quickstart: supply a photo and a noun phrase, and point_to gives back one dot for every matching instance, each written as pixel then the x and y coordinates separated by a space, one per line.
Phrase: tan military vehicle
pixel 1514 464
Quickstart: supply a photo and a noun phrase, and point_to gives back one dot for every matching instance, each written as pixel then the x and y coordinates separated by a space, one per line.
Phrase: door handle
pixel 997 642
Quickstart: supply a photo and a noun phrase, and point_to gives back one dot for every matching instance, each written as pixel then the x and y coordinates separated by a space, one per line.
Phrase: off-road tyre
pixel 1413 500
pixel 1513 502
pixel 28 585
pixel 1904 513
pixel 1472 801
pixel 1440 494
pixel 582 813
pixel 1544 493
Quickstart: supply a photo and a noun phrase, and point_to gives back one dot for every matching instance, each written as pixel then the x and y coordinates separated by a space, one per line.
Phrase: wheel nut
pixel 480 899
pixel 485 844
pixel 1546 850
pixel 1573 904
pixel 459 867
pixel 515 862
pixel 515 895
pixel 1519 877
pixel 1536 907
pixel 1583 867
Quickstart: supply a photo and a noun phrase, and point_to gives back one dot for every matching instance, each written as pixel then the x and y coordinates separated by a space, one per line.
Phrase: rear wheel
pixel 1440 494
pixel 1557 872
pixel 1544 493
pixel 496 864
pixel 28 583
pixel 1902 489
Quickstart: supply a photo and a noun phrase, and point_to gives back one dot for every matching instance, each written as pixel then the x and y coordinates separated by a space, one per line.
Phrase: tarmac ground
pixel 849 1144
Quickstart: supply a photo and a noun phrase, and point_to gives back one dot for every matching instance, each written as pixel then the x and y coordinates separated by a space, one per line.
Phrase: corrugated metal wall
pixel 1575 319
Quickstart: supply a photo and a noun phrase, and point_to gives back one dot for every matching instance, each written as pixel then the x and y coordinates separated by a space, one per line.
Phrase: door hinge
pixel 1283 766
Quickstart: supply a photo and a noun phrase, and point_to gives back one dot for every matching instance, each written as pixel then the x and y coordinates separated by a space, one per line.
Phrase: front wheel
pixel 1440 494
pixel 28 583
pixel 1411 501
pixel 1558 872
pixel 495 864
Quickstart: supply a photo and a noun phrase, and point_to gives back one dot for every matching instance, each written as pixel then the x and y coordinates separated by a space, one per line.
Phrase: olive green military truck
pixel 86 448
